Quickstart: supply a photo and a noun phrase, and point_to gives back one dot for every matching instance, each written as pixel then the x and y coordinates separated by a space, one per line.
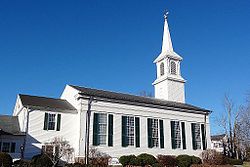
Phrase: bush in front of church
pixel 129 160
pixel 147 159
pixel 41 160
pixel 184 160
pixel 5 159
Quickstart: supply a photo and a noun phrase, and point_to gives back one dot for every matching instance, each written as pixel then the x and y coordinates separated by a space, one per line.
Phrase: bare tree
pixel 244 127
pixel 57 149
pixel 98 158
pixel 145 94
pixel 229 122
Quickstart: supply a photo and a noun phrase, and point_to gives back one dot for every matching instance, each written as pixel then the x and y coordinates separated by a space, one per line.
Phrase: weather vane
pixel 166 14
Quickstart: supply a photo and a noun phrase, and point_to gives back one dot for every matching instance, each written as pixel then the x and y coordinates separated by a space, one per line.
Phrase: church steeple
pixel 169 84
pixel 166 41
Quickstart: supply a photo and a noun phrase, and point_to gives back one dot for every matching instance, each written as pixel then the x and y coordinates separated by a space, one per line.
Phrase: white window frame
pixel 155 132
pixel 102 136
pixel 130 130
pixel 179 143
pixel 198 135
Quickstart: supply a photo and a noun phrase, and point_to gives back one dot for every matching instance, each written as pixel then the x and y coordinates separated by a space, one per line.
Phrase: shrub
pixel 184 160
pixel 234 161
pixel 129 160
pixel 5 159
pixel 212 157
pixel 195 160
pixel 41 160
pixel 22 163
pixel 146 159
pixel 166 160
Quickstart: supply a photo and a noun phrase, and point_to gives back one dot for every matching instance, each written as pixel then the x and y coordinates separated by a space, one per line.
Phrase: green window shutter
pixel 58 125
pixel 110 130
pixel 45 125
pixel 193 136
pixel 183 133
pixel 203 135
pixel 137 131
pixel 161 134
pixel 173 141
pixel 150 139
pixel 13 147
pixel 95 129
pixel 124 132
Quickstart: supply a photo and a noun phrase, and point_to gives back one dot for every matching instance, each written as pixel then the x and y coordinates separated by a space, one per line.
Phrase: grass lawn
pixel 246 164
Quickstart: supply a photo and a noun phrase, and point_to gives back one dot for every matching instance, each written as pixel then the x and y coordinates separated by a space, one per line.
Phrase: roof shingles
pixel 139 100
pixel 45 102
pixel 9 125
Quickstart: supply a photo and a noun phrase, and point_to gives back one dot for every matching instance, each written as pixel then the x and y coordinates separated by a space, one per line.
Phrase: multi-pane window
pixel 130 128
pixel 7 147
pixel 173 68
pixel 155 133
pixel 130 131
pixel 175 134
pixel 162 69
pixel 196 139
pixel 102 128
pixel 103 124
pixel 155 130
pixel 52 121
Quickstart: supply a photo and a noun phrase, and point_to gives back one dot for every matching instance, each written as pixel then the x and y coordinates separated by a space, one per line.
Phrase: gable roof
pixel 37 102
pixel 137 100
pixel 9 125
pixel 218 137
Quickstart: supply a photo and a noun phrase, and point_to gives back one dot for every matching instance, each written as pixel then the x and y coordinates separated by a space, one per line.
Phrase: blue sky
pixel 111 45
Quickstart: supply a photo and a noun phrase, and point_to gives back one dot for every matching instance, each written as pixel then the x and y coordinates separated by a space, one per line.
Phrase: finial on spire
pixel 166 14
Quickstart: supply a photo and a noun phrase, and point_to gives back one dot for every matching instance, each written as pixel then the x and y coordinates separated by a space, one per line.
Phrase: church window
pixel 173 68
pixel 175 134
pixel 155 129
pixel 162 69
pixel 100 129
pixel 6 147
pixel 130 131
pixel 196 139
pixel 50 121
pixel 103 124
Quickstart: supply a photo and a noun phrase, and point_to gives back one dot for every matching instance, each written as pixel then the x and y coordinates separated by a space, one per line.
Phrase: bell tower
pixel 169 84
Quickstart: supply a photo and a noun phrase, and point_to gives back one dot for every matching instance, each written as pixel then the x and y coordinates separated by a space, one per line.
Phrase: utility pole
pixel 88 114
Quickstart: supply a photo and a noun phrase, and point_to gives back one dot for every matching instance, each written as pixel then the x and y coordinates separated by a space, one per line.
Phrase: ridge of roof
pixel 135 98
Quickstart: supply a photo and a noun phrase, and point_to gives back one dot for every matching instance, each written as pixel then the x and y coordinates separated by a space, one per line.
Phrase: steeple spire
pixel 166 41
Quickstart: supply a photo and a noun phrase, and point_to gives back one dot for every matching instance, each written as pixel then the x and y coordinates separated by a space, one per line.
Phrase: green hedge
pixel 187 160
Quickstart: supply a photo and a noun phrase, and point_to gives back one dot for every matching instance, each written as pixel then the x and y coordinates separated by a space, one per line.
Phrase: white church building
pixel 120 124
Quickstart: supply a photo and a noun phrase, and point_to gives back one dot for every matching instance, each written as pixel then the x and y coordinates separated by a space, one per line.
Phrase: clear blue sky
pixel 111 45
